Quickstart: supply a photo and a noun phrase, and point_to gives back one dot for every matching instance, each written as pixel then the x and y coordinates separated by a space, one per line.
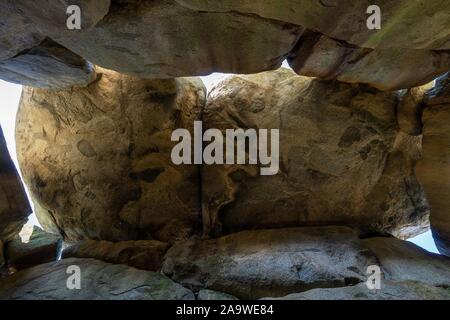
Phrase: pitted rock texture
pixel 419 24
pixel 159 39
pixel 42 247
pixel 433 169
pixel 99 281
pixel 14 206
pixel 49 66
pixel 97 159
pixel 390 290
pixel 256 264
pixel 143 254
pixel 403 260
pixel 384 68
pixel 342 158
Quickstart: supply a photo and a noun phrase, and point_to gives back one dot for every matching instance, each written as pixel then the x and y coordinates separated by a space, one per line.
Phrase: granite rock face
pixel 97 159
pixel 383 68
pixel 206 294
pixel 255 264
pixel 421 24
pixel 48 66
pixel 42 247
pixel 433 169
pixel 390 290
pixel 174 38
pixel 14 206
pixel 160 39
pixel 403 260
pixel 143 254
pixel 342 158
pixel 99 281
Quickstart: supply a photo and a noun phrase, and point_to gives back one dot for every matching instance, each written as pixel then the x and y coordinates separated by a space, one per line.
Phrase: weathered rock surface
pixel 433 169
pixel 421 24
pixel 342 159
pixel 409 110
pixel 206 294
pixel 403 260
pixel 99 281
pixel 17 32
pixel 390 290
pixel 50 16
pixel 164 39
pixel 97 159
pixel 143 254
pixel 49 66
pixel 42 247
pixel 255 264
pixel 14 207
pixel 386 69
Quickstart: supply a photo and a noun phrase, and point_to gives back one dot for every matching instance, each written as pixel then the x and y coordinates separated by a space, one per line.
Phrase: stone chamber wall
pixel 364 157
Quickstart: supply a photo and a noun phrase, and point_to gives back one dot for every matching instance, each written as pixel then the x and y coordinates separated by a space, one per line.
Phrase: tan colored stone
pixel 143 254
pixel 97 159
pixel 433 171
pixel 342 159
pixel 14 207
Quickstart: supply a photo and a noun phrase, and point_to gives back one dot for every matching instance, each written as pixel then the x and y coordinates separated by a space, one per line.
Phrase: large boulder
pixel 164 39
pixel 256 264
pixel 14 206
pixel 141 254
pixel 418 24
pixel 49 66
pixel 40 248
pixel 433 169
pixel 390 290
pixel 386 68
pixel 342 158
pixel 97 159
pixel 403 260
pixel 98 281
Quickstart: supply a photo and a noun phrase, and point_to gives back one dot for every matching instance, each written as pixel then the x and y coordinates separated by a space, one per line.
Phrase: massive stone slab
pixel 17 32
pixel 255 264
pixel 390 290
pixel 433 169
pixel 403 260
pixel 418 24
pixel 99 281
pixel 143 254
pixel 51 16
pixel 97 159
pixel 383 68
pixel 342 158
pixel 164 39
pixel 49 66
pixel 14 206
pixel 40 248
